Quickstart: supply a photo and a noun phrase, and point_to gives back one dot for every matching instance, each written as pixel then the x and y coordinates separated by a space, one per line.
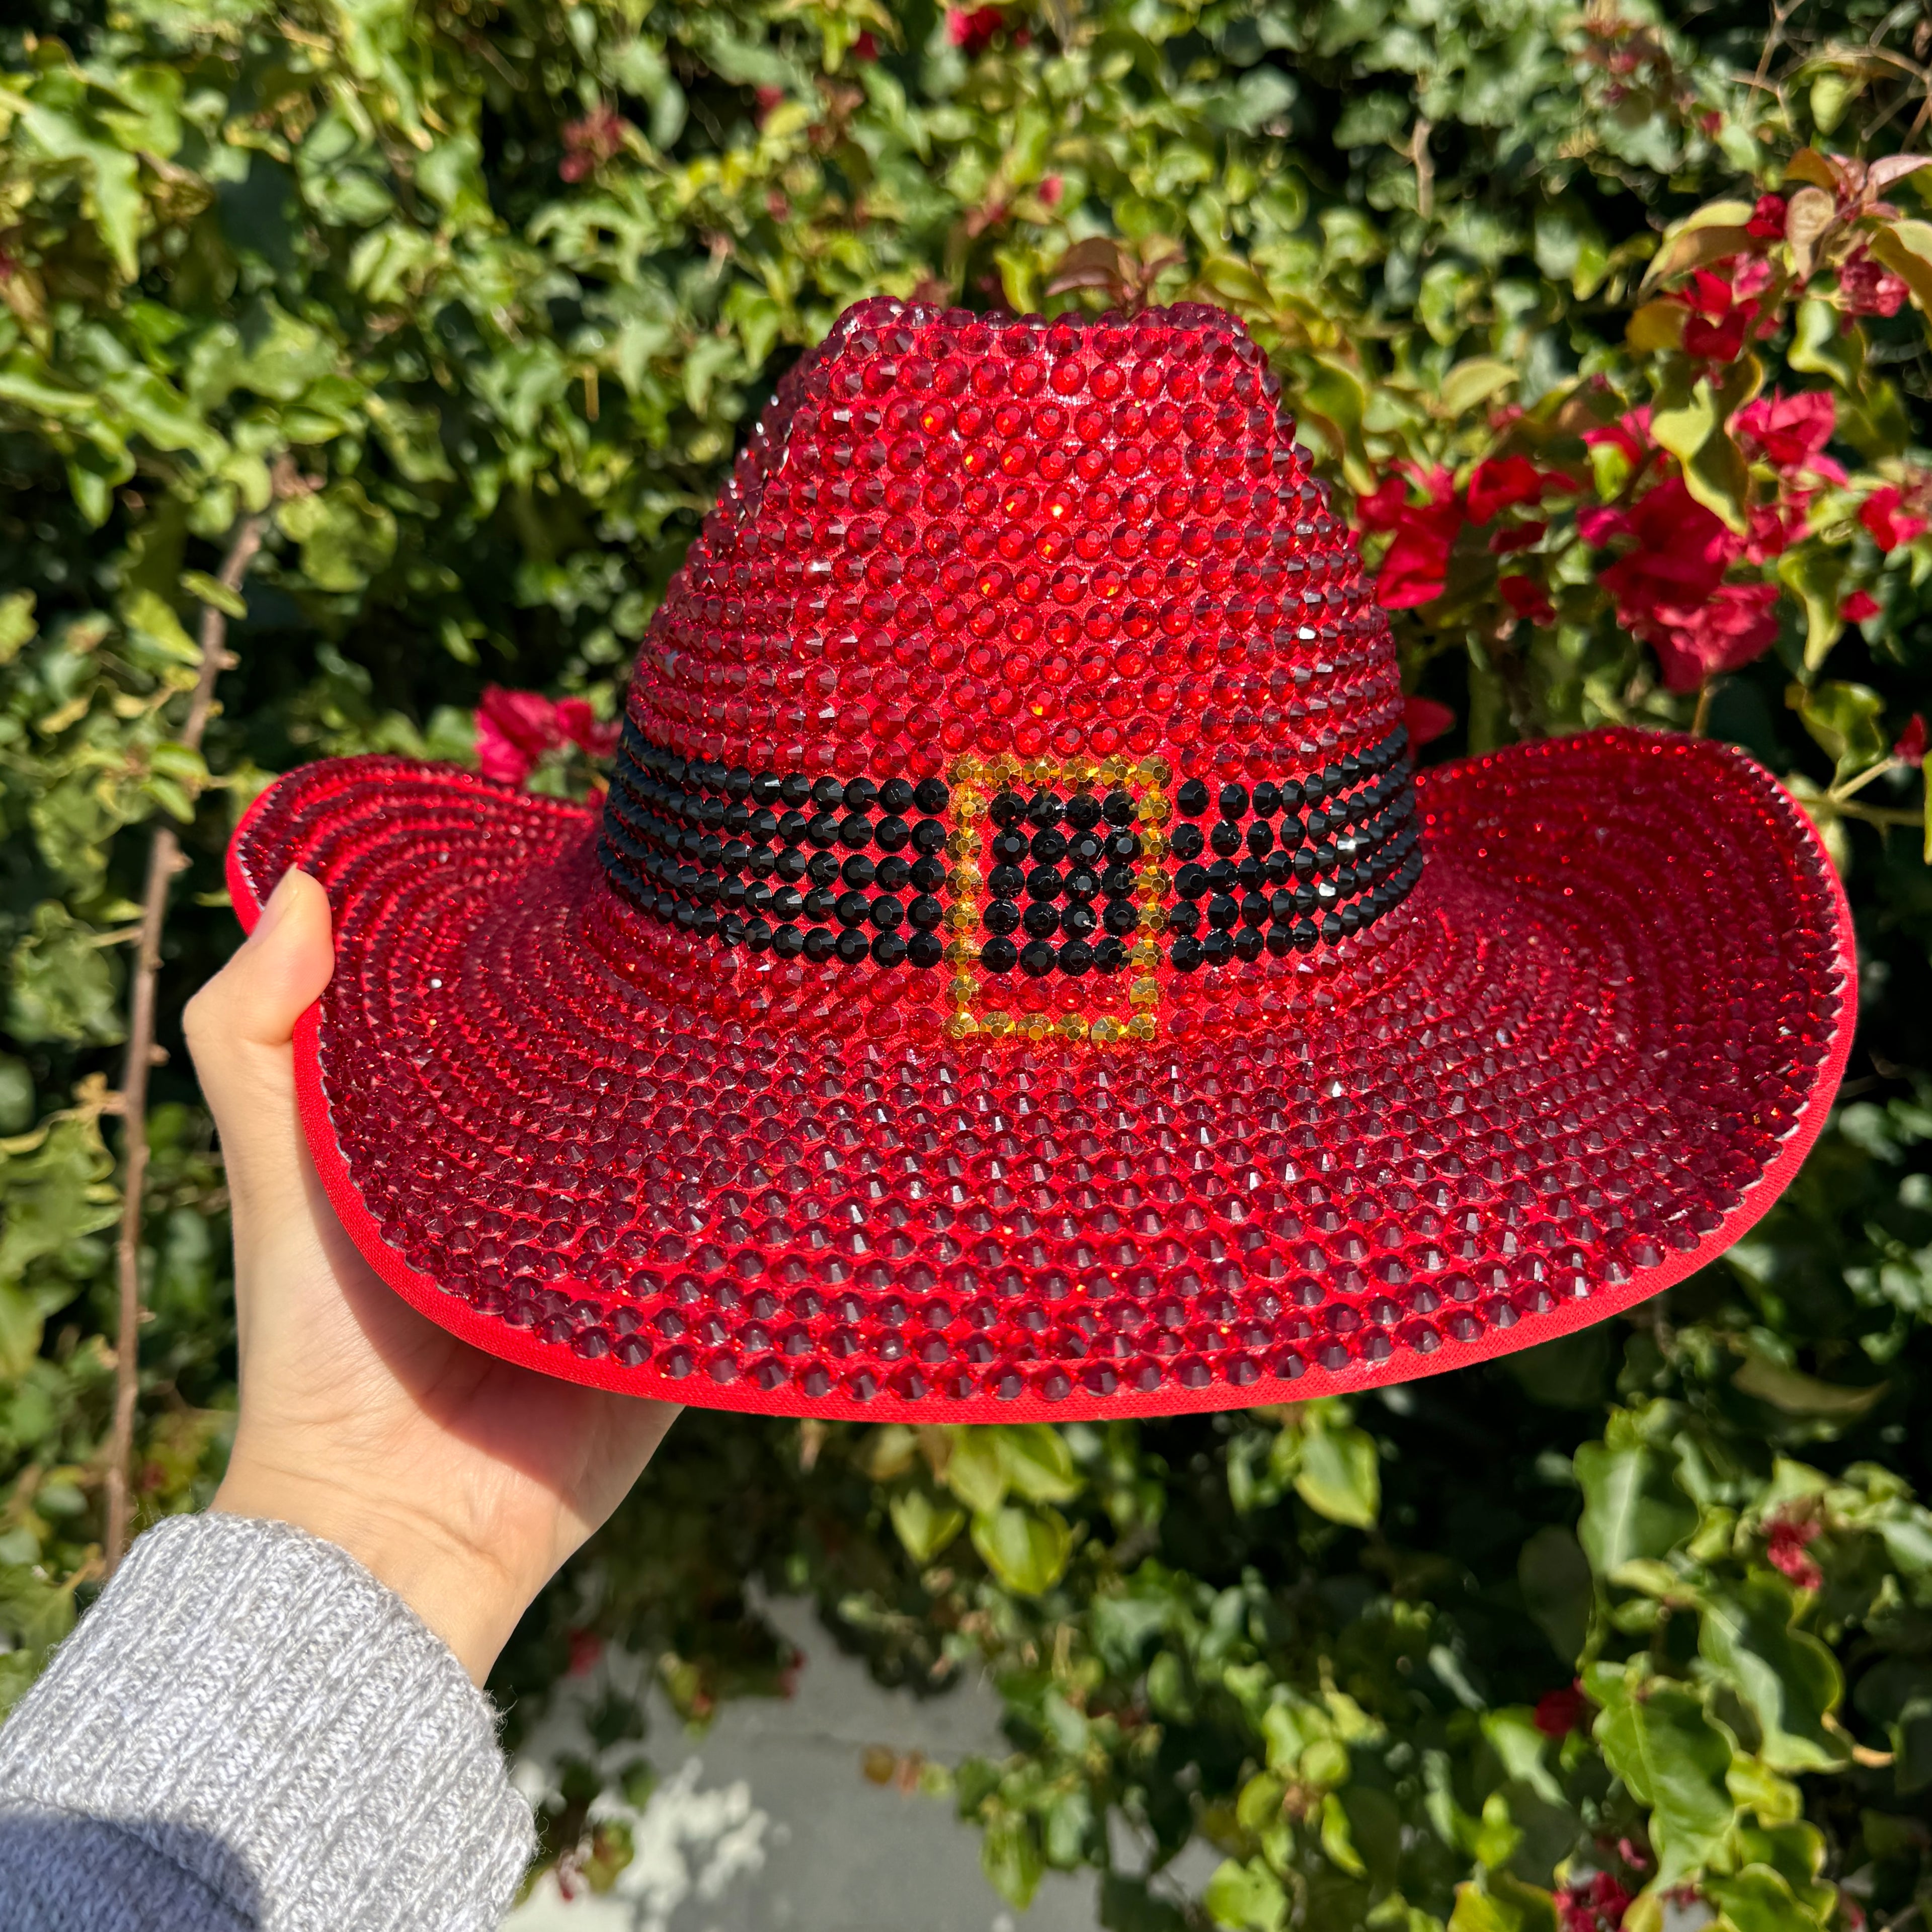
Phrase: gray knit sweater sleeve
pixel 248 1731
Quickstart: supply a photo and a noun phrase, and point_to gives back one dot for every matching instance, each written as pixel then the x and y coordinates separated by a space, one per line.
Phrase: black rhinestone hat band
pixel 847 870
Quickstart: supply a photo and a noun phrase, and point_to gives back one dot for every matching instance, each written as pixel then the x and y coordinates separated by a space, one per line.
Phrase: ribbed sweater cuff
pixel 249 1701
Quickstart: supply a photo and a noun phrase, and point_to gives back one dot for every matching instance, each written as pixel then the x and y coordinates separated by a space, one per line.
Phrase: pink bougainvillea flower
pixel 1890 524
pixel 1790 432
pixel 1559 1712
pixel 1737 624
pixel 1379 508
pixel 1786 1549
pixel 589 143
pixel 1527 599
pixel 1513 537
pixel 1858 607
pixel 1866 289
pixel 1767 221
pixel 1910 749
pixel 1050 190
pixel 1594 1904
pixel 1724 314
pixel 1775 527
pixel 971 29
pixel 515 728
pixel 1502 482
pixel 865 48
pixel 1426 720
pixel 1416 566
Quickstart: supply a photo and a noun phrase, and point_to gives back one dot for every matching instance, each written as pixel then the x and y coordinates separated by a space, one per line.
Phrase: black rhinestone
pixel 1222 876
pixel 1226 837
pixel 1120 917
pixel 1260 837
pixel 1049 847
pixel 1280 941
pixel 1234 800
pixel 1083 811
pixel 858 871
pixel 1078 921
pixel 793 827
pixel 1191 800
pixel 738 782
pixel 818 944
pixel 1109 955
pixel 827 792
pixel 1292 830
pixel 852 947
pixel 761 826
pixel 861 795
pixel 731 929
pixel 1118 881
pixel 765 788
pixel 1008 807
pixel 1184 917
pixel 1000 915
pixel 823 831
pixel 758 934
pixel 1292 796
pixel 925 948
pixel 1045 810
pixel 1351 767
pixel 1307 897
pixel 1041 922
pixel 1326 858
pixel 1247 944
pixel 1267 801
pixel 928 835
pixel 1306 939
pixel 791 865
pixel 1186 955
pixel 1006 882
pixel 1043 882
pixel 1089 848
pixel 1036 961
pixel 891 833
pixel 999 956
pixel 1076 957
pixel 1010 847
pixel 1283 906
pixel 710 849
pixel 888 948
pixel 1118 809
pixel 1350 916
pixel 1332 929
pixel 856 832
pixel 895 795
pixel 851 908
pixel 1191 881
pixel 822 868
pixel 1304 862
pixel 931 795
pixel 1217 948
pixel 819 904
pixel 886 912
pixel 892 875
pixel 925 912
pixel 1187 841
pixel 928 875
pixel 1221 910
pixel 1254 910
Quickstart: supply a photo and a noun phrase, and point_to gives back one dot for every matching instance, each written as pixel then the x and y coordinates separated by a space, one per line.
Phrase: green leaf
pixel 1039 1465
pixel 1846 720
pixel 1790 1681
pixel 975 1471
pixel 1010 1857
pixel 345 538
pixel 211 590
pixel 63 985
pixel 1339 1476
pixel 1027 1550
pixel 1796 1393
pixel 17 626
pixel 1657 1738
pixel 1475 382
pixel 1555 1577
pixel 1246 1897
pixel 924 1528
pixel 1632 1505
pixel 1713 232
pixel 1758 1899
pixel 1817 574
pixel 1500 1903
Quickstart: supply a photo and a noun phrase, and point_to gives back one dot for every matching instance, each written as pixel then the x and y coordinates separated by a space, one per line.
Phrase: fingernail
pixel 279 901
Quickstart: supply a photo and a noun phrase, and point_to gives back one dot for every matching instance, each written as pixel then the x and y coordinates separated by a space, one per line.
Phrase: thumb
pixel 240 1024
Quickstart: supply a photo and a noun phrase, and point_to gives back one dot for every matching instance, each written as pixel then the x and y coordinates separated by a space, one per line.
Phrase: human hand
pixel 461 1481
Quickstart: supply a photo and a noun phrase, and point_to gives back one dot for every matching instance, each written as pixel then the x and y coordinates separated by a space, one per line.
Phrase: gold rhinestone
pixel 965 881
pixel 968 808
pixel 968 770
pixel 1154 771
pixel 961 952
pixel 962 919
pixel 1037 1026
pixel 962 845
pixel 1080 774
pixel 1152 920
pixel 1153 807
pixel 1115 771
pixel 1004 767
pixel 1143 1026
pixel 1042 773
pixel 1144 992
pixel 1150 887
pixel 964 988
pixel 1071 1027
pixel 1144 955
pixel 999 1025
pixel 1104 1029
pixel 962 1026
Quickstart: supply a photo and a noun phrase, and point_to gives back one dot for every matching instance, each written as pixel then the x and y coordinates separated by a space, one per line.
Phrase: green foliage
pixel 468 300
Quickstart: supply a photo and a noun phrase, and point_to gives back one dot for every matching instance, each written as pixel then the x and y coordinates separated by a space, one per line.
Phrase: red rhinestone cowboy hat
pixel 1017 971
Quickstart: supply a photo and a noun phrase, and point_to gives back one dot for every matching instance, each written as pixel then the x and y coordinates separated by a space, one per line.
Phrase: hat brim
pixel 1620 1009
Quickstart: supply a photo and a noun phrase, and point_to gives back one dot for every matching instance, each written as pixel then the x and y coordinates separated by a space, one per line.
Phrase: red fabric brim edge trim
pixel 498 1339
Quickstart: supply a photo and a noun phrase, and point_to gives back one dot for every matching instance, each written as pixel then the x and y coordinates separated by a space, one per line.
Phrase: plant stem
pixel 164 861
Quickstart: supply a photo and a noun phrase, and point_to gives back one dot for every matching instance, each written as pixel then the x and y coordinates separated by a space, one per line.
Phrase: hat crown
pixel 955 536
